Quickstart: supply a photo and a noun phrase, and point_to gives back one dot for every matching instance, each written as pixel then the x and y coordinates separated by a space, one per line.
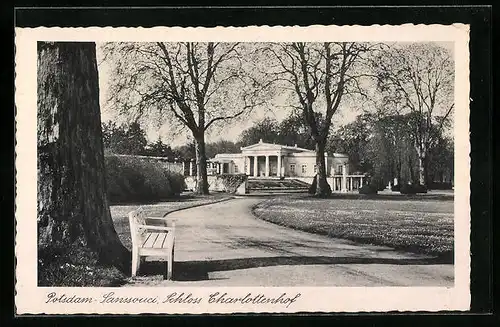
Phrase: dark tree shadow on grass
pixel 199 270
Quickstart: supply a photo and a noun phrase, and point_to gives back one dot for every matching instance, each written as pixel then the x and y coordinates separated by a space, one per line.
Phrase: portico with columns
pixel 264 165
pixel 269 160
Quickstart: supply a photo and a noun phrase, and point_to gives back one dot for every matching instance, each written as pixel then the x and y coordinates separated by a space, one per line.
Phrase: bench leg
pixel 169 269
pixel 135 262
pixel 169 266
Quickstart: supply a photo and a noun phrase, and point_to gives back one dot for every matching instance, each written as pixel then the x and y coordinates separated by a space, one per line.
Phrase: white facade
pixel 276 160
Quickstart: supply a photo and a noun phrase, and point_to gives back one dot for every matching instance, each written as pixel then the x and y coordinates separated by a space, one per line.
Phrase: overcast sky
pixel 346 113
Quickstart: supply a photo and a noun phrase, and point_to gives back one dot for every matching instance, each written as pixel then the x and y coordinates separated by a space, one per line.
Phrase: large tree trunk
pixel 323 189
pixel 201 165
pixel 73 209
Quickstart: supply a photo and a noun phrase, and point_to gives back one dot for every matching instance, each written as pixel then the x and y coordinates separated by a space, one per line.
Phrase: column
pixel 278 171
pixel 350 183
pixel 255 167
pixel 361 182
pixel 183 168
pixel 191 168
pixel 344 178
pixel 267 166
pixel 334 184
pixel 247 166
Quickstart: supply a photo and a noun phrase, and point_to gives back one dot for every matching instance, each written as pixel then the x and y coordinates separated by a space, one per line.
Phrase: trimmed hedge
pixel 440 186
pixel 368 189
pixel 131 179
pixel 396 188
pixel 412 189
pixel 232 181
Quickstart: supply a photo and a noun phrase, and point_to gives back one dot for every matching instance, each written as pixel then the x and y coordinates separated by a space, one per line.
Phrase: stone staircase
pixel 275 185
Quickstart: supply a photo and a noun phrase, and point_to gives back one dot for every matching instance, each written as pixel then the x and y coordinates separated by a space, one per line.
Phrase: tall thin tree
pixel 320 75
pixel 419 79
pixel 198 85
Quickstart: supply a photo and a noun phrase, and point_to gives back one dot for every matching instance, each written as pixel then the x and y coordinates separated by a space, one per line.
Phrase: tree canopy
pixel 319 75
pixel 418 78
pixel 197 85
pixel 124 139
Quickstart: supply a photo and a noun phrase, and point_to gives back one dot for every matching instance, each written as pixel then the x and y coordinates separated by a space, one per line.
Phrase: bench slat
pixel 166 242
pixel 158 244
pixel 150 240
pixel 147 236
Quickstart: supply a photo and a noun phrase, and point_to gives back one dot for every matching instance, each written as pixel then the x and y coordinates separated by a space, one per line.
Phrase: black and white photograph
pixel 255 170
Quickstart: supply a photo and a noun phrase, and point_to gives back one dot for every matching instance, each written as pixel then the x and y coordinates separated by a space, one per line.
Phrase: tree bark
pixel 323 189
pixel 73 209
pixel 201 165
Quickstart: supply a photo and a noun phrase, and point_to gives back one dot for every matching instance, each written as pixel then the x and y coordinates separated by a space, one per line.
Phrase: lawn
pixel 421 224
pixel 119 213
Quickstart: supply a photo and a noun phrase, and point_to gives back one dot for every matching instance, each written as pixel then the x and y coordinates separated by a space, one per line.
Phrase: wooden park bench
pixel 151 240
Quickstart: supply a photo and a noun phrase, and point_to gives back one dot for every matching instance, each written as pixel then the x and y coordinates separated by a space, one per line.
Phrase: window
pixel 304 169
pixel 315 169
pixel 339 169
pixel 235 169
pixel 292 168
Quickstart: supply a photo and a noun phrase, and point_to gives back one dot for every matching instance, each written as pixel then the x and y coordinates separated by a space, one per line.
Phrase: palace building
pixel 266 160
pixel 275 160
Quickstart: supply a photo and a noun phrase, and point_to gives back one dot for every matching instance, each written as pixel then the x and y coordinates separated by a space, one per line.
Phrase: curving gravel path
pixel 223 244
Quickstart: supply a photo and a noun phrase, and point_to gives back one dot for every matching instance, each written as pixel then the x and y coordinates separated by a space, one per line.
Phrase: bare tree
pixel 73 211
pixel 418 78
pixel 320 75
pixel 198 85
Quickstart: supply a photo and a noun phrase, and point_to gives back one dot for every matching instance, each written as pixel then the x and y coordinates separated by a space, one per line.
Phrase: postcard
pixel 242 169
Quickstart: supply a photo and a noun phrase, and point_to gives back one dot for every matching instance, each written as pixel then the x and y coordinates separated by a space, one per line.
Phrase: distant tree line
pixel 384 148
pixel 131 139
pixel 381 146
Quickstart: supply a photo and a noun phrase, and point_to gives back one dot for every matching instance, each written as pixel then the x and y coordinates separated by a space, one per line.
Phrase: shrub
pixel 377 182
pixel 440 186
pixel 396 188
pixel 132 179
pixel 232 181
pixel 368 189
pixel 420 188
pixel 412 189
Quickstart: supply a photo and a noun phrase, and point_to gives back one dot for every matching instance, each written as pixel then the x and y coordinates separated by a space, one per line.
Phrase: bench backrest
pixel 138 234
pixel 135 218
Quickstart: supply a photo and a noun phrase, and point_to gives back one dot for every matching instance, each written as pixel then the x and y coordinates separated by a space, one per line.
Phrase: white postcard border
pixel 33 299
